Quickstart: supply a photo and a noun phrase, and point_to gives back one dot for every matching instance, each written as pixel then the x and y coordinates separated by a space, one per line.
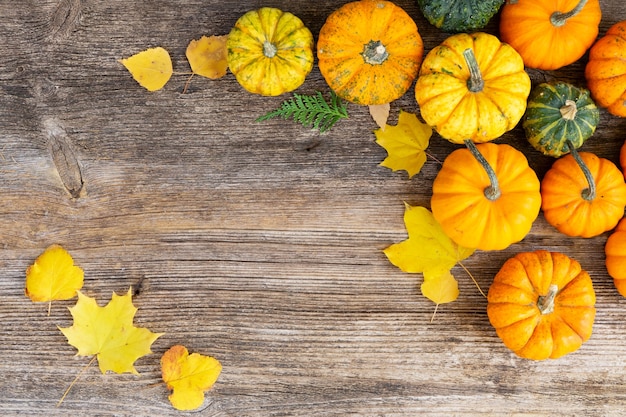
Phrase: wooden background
pixel 257 243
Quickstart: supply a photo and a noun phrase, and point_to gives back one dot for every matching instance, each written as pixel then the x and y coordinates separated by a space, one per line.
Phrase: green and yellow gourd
pixel 459 15
pixel 557 114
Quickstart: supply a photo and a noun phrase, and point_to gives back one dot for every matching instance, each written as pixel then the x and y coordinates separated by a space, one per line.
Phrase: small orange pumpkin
pixel 606 70
pixel 369 51
pixel 550 34
pixel 583 195
pixel 486 196
pixel 542 305
pixel 615 251
pixel 622 158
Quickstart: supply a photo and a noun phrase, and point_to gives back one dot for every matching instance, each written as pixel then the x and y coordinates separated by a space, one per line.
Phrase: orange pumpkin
pixel 583 195
pixel 486 196
pixel 622 158
pixel 550 34
pixel 606 70
pixel 542 305
pixel 615 261
pixel 369 51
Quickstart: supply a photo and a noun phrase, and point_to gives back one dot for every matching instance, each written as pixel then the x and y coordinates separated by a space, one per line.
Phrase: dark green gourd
pixel 459 15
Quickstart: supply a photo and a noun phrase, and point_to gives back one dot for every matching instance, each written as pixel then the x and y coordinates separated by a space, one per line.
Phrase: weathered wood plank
pixel 259 244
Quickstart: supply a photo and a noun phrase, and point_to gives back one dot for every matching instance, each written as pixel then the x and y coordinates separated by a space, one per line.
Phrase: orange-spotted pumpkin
pixel 583 195
pixel 542 305
pixel 369 51
pixel 270 52
pixel 486 196
pixel 615 252
pixel 606 70
pixel 472 87
pixel 550 34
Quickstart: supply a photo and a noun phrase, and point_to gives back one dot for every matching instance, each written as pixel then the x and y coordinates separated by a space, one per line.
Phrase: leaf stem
pixel 589 194
pixel 76 380
pixel 473 279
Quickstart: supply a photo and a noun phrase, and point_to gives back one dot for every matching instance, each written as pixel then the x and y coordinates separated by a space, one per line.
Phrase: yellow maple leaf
pixel 53 276
pixel 108 332
pixel 428 250
pixel 441 289
pixel 207 56
pixel 151 68
pixel 189 376
pixel 405 143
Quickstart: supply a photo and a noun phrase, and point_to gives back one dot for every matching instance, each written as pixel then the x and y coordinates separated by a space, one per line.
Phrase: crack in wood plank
pixel 64 158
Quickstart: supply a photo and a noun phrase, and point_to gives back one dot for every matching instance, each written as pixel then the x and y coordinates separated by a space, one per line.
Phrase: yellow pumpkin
pixel 270 52
pixel 542 305
pixel 472 87
pixel 369 51
pixel 486 196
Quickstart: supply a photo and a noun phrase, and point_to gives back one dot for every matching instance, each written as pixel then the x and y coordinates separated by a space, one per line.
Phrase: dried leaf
pixel 151 68
pixel 53 276
pixel 207 56
pixel 380 114
pixel 189 376
pixel 109 333
pixel 405 143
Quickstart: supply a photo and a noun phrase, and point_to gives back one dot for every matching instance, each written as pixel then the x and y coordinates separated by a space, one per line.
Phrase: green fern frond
pixel 311 111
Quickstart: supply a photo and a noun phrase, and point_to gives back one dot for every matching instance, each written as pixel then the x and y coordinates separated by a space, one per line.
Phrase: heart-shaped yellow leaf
pixel 207 56
pixel 151 68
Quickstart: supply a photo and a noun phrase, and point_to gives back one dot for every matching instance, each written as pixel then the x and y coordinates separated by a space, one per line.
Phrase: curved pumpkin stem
pixel 492 192
pixel 589 193
pixel 546 303
pixel 558 19
pixel 476 82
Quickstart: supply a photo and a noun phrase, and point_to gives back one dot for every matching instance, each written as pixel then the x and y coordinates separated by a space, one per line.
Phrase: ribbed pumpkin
pixel 472 87
pixel 583 195
pixel 550 34
pixel 369 51
pixel 459 15
pixel 606 70
pixel 486 196
pixel 622 158
pixel 542 305
pixel 270 52
pixel 615 251
pixel 559 113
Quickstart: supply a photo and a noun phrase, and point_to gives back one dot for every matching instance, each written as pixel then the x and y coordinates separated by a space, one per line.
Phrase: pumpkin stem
pixel 569 110
pixel 589 193
pixel 269 49
pixel 492 192
pixel 545 303
pixel 475 82
pixel 374 53
pixel 558 19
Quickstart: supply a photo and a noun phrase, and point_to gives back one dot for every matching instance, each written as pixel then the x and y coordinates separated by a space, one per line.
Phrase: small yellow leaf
pixel 208 56
pixel 380 114
pixel 440 289
pixel 189 376
pixel 428 249
pixel 151 68
pixel 109 333
pixel 405 143
pixel 53 276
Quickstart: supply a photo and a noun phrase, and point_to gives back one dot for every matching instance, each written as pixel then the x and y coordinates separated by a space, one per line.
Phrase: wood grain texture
pixel 259 244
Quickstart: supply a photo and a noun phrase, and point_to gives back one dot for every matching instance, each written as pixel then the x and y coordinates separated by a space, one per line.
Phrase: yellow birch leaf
pixel 440 289
pixel 108 332
pixel 189 376
pixel 53 276
pixel 380 114
pixel 151 68
pixel 428 249
pixel 405 143
pixel 207 56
